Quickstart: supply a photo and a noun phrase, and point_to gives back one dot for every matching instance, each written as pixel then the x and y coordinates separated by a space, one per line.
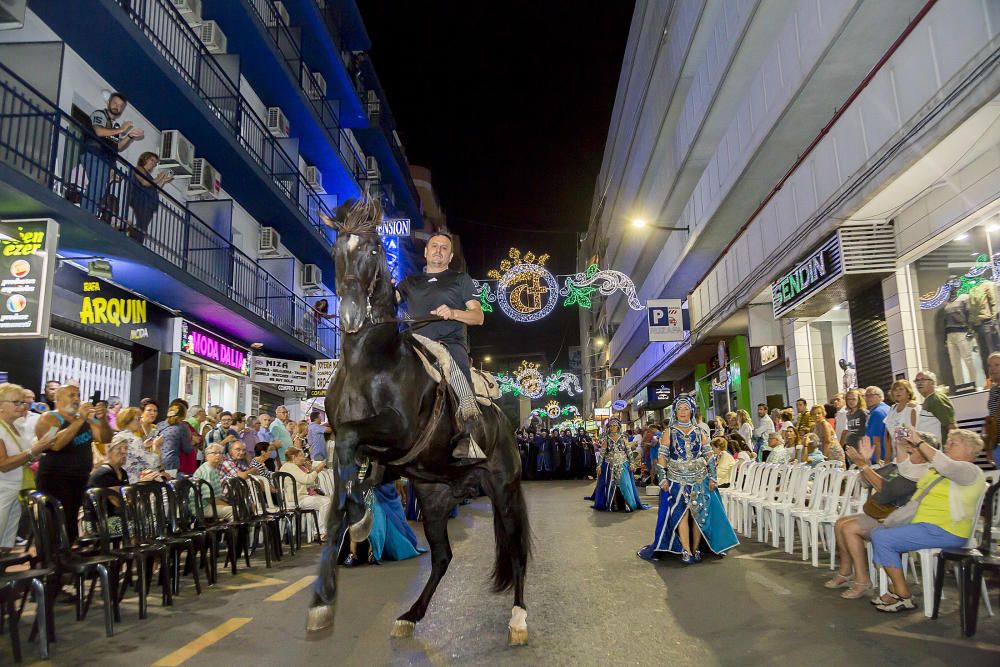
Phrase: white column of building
pixel 799 361
pixel 900 320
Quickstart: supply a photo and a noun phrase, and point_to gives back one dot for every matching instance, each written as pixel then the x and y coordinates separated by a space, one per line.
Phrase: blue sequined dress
pixel 690 466
pixel 616 490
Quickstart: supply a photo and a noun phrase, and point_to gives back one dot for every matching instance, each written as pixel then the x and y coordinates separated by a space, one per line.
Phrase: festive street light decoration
pixel 526 290
pixel 553 409
pixel 608 282
pixel 563 381
pixel 486 296
pixel 529 380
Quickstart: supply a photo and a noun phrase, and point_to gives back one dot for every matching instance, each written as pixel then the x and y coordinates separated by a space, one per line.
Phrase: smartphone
pixel 900 433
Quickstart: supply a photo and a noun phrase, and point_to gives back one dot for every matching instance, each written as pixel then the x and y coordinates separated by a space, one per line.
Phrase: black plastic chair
pixel 160 499
pixel 216 528
pixel 286 485
pixel 12 587
pixel 48 522
pixel 136 547
pixel 259 526
pixel 967 560
pixel 187 521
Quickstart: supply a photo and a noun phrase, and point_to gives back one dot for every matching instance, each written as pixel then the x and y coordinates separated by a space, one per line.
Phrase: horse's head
pixel 364 285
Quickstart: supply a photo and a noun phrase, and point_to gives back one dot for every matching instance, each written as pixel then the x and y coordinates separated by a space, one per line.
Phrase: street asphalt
pixel 591 601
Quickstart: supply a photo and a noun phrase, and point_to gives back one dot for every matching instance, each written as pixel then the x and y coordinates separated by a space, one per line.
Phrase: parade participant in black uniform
pixel 450 295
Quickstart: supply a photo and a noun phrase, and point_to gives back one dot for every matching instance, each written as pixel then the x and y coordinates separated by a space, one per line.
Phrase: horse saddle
pixel 437 360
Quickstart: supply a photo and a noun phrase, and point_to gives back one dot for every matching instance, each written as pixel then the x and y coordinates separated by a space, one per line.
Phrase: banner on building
pixel 575 358
pixel 286 374
pixel 323 373
pixel 27 264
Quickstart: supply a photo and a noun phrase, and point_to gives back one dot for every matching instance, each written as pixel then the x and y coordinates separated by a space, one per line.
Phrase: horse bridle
pixel 368 308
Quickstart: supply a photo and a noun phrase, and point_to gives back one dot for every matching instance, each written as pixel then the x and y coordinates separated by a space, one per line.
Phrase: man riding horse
pixel 451 295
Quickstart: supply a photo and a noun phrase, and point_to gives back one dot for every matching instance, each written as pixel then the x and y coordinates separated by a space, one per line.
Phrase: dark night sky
pixel 508 103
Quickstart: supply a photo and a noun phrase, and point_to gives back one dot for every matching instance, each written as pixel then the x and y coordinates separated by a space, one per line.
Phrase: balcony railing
pixel 40 141
pixel 177 42
pixel 267 15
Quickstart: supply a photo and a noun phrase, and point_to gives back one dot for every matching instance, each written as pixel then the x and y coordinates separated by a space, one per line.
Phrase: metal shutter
pixel 97 366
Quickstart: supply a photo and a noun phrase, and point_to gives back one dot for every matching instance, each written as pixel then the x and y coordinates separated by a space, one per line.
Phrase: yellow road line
pixel 289 591
pixel 193 648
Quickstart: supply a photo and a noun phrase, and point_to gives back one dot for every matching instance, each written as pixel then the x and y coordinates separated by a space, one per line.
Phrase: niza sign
pixel 807 278
pixel 282 372
pixel 394 227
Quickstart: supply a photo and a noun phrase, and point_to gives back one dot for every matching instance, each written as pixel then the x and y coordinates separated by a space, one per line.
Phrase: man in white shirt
pixel 765 425
pixel 840 425
pixel 26 424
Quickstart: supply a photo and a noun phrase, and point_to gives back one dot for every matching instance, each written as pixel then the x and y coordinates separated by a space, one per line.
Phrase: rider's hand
pixel 444 312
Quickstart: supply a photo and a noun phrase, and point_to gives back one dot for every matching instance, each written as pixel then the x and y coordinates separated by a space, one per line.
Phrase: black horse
pixel 387 412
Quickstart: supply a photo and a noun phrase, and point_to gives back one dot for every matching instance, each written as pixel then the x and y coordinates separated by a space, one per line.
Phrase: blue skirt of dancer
pixel 716 530
pixel 391 537
pixel 413 505
pixel 616 490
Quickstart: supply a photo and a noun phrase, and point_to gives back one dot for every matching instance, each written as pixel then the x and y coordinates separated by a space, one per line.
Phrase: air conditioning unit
pixel 212 37
pixel 176 153
pixel 205 180
pixel 312 277
pixel 269 242
pixel 314 85
pixel 277 124
pixel 190 10
pixel 373 104
pixel 314 177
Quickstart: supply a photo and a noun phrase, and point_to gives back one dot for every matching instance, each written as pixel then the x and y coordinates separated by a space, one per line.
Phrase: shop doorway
pixel 831 347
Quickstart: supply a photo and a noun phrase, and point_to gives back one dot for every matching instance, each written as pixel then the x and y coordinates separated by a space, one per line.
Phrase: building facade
pixel 265 114
pixel 828 172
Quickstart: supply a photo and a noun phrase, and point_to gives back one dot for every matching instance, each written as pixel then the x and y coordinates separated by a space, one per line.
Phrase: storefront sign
pixel 665 320
pixel 324 369
pixel 768 354
pixel 27 263
pixel 807 277
pixel 619 405
pixel 283 373
pixel 602 412
pixel 394 227
pixel 659 395
pixel 200 343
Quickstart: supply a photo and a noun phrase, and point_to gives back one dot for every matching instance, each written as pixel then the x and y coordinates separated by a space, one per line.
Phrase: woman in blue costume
pixel 616 491
pixel 391 537
pixel 690 505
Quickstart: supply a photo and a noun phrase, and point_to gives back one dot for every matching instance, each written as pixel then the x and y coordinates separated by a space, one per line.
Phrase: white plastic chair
pixel 788 479
pixel 798 498
pixel 765 494
pixel 825 496
pixel 849 502
pixel 740 491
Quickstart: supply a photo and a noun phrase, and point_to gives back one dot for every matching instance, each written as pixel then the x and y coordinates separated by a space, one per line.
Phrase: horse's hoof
pixel 517 636
pixel 402 629
pixel 517 629
pixel 319 618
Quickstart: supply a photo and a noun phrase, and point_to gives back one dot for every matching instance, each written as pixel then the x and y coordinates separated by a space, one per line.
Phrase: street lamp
pixel 639 223
pixel 487 359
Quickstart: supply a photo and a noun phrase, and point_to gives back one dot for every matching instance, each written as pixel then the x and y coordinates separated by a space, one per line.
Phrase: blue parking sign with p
pixel 665 320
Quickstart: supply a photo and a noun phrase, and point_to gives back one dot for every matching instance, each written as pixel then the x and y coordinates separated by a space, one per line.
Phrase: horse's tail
pixel 513 537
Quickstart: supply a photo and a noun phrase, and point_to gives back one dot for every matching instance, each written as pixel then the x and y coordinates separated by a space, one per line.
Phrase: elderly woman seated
pixel 948 496
pixel 779 453
pixel 109 475
pixel 894 484
pixel 306 485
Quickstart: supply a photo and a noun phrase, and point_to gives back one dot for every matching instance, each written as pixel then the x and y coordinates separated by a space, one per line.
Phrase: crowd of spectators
pixel 64 445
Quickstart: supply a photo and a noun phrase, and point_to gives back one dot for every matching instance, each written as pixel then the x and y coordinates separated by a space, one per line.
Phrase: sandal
pixel 839 581
pixel 888 598
pixel 857 590
pixel 901 604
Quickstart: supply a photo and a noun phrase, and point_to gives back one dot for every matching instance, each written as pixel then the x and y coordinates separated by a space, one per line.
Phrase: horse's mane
pixel 359 216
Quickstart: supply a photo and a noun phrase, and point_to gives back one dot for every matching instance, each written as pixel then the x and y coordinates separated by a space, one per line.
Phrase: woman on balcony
pixel 144 196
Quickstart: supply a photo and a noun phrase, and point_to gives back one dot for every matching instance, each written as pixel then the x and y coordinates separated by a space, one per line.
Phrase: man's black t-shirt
pixel 427 291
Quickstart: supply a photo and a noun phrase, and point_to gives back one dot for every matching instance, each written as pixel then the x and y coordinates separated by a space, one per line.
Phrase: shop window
pixel 957 308
pixel 221 389
pixel 190 384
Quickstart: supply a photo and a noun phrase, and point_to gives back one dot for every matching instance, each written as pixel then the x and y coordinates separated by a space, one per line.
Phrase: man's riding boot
pixel 466 449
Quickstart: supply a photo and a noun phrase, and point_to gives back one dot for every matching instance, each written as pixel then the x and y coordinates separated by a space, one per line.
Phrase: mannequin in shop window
pixel 957 328
pixel 983 318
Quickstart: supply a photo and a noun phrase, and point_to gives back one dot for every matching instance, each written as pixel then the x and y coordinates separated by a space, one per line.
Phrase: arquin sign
pixel 204 345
